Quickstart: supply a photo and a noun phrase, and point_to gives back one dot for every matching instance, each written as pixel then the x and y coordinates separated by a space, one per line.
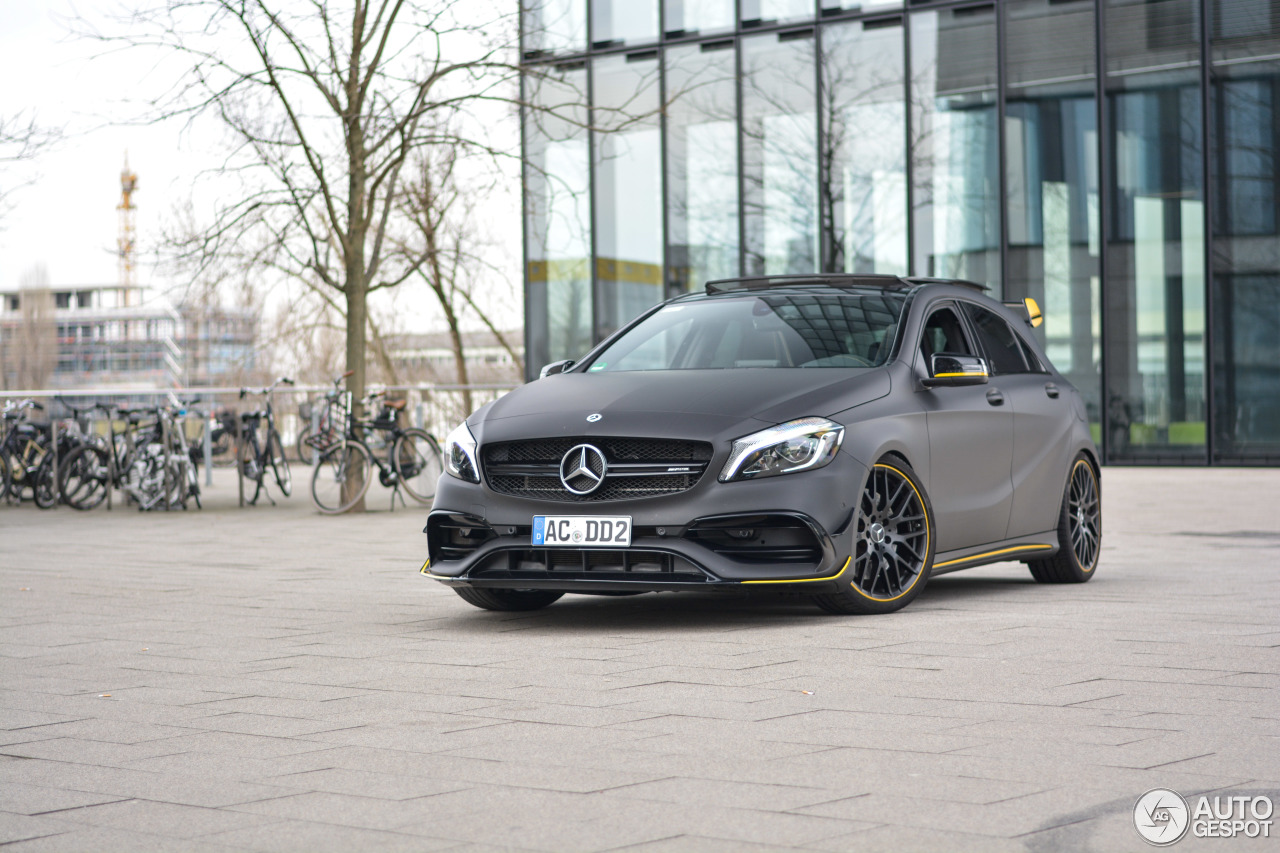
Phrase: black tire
pixel 5 477
pixel 417 459
pixel 304 451
pixel 508 600
pixel 45 484
pixel 893 544
pixel 279 463
pixel 250 466
pixel 84 477
pixel 1079 529
pixel 341 477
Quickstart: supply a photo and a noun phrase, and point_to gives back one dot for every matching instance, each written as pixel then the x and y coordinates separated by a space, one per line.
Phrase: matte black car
pixel 843 436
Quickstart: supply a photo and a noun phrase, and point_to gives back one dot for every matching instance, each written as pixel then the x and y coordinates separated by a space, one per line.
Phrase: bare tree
pixel 446 235
pixel 29 348
pixel 22 137
pixel 325 103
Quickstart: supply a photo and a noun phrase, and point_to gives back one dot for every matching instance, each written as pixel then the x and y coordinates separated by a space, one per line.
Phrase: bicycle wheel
pixel 85 477
pixel 250 466
pixel 341 477
pixel 279 463
pixel 303 450
pixel 5 477
pixel 416 458
pixel 45 484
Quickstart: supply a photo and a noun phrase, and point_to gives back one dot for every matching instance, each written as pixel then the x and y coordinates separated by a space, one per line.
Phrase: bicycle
pixel 131 459
pixel 344 469
pixel 254 456
pixel 25 457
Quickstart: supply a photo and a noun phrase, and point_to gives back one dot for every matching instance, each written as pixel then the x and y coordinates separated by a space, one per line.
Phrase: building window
pixel 554 26
pixel 955 145
pixel 702 166
pixel 628 189
pixel 697 17
pixel 779 138
pixel 558 208
pixel 616 22
pixel 863 194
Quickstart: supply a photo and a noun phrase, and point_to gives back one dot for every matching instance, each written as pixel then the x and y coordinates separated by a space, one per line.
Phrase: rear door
pixel 1042 422
pixel 970 443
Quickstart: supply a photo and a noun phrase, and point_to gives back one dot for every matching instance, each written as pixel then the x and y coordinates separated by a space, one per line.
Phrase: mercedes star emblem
pixel 593 418
pixel 582 469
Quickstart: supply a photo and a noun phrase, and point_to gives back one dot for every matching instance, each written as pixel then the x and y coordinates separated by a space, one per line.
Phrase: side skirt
pixel 1037 547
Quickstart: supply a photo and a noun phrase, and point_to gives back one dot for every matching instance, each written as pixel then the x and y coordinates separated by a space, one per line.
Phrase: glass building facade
pixel 1117 160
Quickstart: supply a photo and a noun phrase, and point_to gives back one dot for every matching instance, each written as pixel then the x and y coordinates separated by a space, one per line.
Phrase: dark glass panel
pixel 779 143
pixel 955 146
pixel 628 189
pixel 1245 123
pixel 1051 181
pixel 557 205
pixel 863 195
pixel 702 167
pixel 1154 299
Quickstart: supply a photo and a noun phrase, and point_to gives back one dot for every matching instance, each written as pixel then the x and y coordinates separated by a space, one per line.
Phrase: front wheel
pixel 341 477
pixel 507 600
pixel 46 483
pixel 279 463
pixel 84 477
pixel 1079 529
pixel 417 461
pixel 893 544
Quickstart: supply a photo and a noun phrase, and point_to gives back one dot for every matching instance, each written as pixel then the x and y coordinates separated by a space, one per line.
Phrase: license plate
pixel 598 531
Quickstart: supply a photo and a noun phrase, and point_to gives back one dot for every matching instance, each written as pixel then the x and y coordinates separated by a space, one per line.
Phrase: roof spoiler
pixel 1029 310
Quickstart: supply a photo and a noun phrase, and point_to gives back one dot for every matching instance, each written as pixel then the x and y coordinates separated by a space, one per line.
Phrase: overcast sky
pixel 65 215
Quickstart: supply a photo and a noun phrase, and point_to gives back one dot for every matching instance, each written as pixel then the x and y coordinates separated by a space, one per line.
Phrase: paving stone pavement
pixel 269 679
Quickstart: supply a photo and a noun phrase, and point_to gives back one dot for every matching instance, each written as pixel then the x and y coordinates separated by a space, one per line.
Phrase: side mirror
pixel 555 367
pixel 951 369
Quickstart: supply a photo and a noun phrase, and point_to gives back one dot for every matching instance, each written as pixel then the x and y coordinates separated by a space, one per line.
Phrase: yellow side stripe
pixel 992 554
pixel 975 373
pixel 811 580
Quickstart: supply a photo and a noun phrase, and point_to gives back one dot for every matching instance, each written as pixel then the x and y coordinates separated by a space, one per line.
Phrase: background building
pixel 1114 159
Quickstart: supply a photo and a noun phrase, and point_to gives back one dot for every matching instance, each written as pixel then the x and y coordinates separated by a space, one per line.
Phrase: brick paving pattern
pixel 269 679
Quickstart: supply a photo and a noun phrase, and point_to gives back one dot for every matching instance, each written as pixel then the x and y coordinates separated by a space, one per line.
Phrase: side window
pixel 943 332
pixel 1033 361
pixel 997 339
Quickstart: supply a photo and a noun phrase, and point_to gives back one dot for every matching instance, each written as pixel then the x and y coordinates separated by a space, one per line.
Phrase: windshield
pixel 837 329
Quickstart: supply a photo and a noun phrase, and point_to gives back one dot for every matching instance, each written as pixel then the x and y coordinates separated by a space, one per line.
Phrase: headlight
pixel 460 454
pixel 800 445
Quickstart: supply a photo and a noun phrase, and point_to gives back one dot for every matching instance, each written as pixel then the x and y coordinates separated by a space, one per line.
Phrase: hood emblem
pixel 593 418
pixel 583 468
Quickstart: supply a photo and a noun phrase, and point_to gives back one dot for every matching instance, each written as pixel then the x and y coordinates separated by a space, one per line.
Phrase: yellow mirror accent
pixel 1033 312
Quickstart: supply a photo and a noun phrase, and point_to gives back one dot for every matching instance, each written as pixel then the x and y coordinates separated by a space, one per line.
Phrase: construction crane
pixel 125 242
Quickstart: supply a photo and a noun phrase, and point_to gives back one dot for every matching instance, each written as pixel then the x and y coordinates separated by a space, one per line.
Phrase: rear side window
pixel 1000 343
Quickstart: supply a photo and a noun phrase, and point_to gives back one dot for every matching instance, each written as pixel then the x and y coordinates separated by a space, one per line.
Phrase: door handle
pixel 995 398
pixel 1051 390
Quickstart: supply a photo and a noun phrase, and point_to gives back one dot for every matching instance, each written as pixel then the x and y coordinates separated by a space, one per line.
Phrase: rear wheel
pixel 1079 530
pixel 250 466
pixel 417 460
pixel 893 544
pixel 45 485
pixel 509 600
pixel 5 476
pixel 85 477
pixel 341 477
pixel 279 463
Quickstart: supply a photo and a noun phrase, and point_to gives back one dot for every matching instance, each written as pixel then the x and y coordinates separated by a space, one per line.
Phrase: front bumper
pixel 794 531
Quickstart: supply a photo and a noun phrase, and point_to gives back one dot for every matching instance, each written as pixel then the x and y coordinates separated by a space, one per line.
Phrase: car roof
pixel 839 280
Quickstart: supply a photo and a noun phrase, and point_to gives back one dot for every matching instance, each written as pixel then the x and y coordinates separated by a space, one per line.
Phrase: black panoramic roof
pixel 842 280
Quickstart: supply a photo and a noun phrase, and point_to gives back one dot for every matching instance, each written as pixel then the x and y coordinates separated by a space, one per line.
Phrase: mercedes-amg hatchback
pixel 843 436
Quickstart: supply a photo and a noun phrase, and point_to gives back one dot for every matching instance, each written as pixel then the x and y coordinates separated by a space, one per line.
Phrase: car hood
pixel 703 403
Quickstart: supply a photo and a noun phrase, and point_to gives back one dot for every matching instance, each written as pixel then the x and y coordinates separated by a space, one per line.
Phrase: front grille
pixel 638 468
pixel 587 564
